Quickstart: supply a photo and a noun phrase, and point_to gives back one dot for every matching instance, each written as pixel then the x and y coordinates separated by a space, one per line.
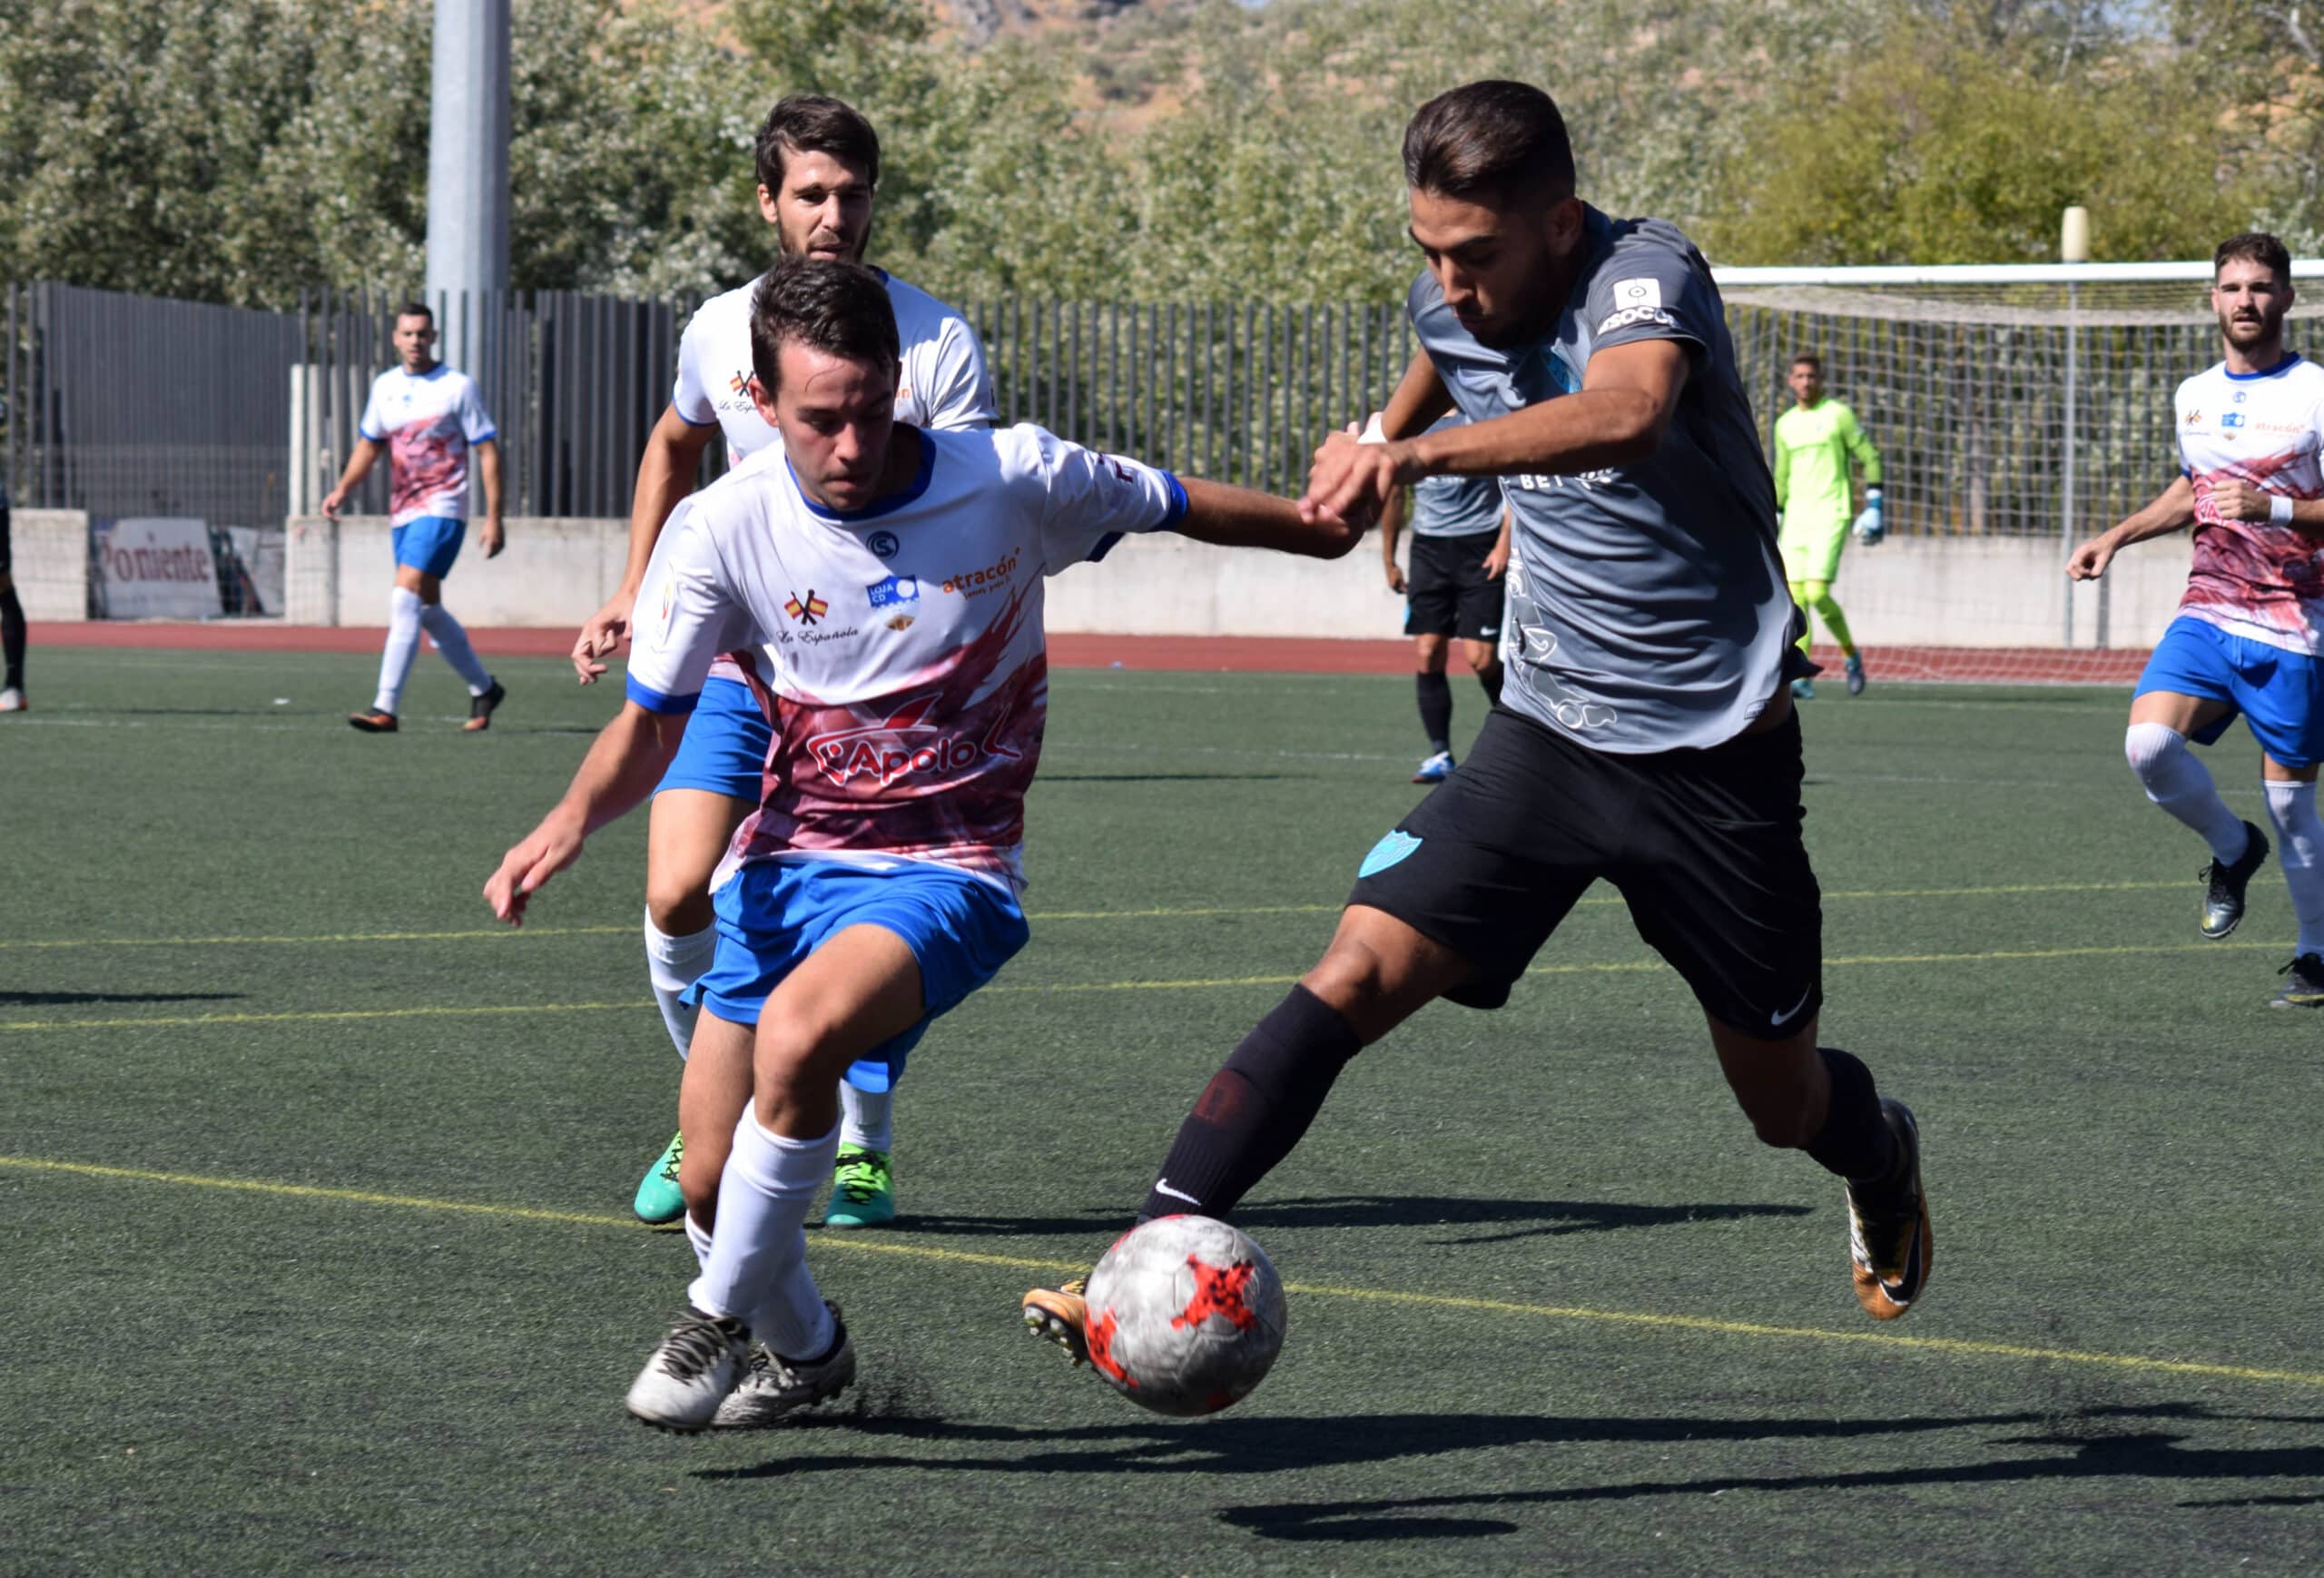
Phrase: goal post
pixel 2017 409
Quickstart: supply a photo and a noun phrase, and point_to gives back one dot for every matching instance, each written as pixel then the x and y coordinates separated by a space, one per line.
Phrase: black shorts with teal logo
pixel 1705 847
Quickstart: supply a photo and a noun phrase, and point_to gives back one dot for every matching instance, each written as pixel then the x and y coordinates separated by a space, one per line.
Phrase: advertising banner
pixel 156 568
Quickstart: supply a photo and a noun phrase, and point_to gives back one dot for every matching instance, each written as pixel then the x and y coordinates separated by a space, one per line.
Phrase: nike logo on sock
pixel 1162 1187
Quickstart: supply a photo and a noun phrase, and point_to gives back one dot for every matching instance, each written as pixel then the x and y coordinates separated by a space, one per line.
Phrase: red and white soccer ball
pixel 1185 1315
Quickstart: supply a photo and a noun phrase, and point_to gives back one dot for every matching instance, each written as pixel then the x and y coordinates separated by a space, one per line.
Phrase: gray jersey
pixel 1647 604
pixel 1455 506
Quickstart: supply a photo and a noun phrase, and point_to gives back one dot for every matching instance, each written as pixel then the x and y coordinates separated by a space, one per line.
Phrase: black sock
pixel 1491 679
pixel 1255 1108
pixel 12 637
pixel 1856 1141
pixel 1436 710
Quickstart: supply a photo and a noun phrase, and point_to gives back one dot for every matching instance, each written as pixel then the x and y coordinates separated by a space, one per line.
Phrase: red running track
pixel 1236 654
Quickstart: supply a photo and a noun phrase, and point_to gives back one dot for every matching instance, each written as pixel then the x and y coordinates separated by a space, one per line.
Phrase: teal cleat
pixel 1802 690
pixel 1856 675
pixel 658 1200
pixel 864 1189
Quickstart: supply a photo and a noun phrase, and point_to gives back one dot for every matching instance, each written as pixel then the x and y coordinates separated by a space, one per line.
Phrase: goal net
pixel 2017 411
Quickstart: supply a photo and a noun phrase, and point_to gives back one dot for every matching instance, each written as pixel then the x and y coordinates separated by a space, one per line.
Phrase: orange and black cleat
pixel 1889 1242
pixel 480 707
pixel 1062 1316
pixel 373 721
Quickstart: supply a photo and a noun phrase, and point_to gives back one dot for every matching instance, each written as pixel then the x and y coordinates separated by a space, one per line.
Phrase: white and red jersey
pixel 2255 578
pixel 898 653
pixel 943 384
pixel 427 420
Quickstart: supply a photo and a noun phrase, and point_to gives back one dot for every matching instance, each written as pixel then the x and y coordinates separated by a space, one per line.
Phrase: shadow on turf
pixel 1522 1218
pixel 60 998
pixel 2094 1445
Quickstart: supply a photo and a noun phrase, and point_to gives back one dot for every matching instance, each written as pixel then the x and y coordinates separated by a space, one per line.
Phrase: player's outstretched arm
pixel 665 475
pixel 1245 518
pixel 629 757
pixel 2173 509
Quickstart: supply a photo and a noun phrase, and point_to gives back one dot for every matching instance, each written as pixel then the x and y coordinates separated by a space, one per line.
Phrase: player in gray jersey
pixel 1646 734
pixel 1460 530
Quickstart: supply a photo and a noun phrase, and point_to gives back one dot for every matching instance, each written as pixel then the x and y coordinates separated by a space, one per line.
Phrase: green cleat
pixel 658 1200
pixel 864 1189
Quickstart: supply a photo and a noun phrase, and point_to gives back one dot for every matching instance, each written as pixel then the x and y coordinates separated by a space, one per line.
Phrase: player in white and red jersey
pixel 818 169
pixel 881 585
pixel 429 420
pixel 2250 628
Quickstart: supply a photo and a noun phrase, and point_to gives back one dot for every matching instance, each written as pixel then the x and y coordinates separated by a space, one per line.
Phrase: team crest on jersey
pixel 884 543
pixel 899 621
pixel 807 611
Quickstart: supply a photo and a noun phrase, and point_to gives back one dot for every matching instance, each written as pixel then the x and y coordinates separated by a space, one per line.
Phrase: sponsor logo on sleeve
pixel 1630 317
pixel 892 592
pixel 1646 293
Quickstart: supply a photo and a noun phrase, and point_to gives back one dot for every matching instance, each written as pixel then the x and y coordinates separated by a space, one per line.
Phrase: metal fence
pixel 122 405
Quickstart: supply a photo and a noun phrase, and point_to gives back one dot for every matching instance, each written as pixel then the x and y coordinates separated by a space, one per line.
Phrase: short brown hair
pixel 839 309
pixel 814 124
pixel 2255 246
pixel 1808 358
pixel 1490 141
pixel 417 310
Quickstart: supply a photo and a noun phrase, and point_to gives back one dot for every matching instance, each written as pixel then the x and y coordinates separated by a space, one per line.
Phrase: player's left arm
pixel 2237 500
pixel 1628 393
pixel 493 535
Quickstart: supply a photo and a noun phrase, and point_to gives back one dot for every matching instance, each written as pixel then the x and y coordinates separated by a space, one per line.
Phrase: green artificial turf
pixel 315 1253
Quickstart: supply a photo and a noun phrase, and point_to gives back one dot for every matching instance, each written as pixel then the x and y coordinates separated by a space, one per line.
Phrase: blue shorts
pixel 725 745
pixel 773 914
pixel 430 544
pixel 2281 694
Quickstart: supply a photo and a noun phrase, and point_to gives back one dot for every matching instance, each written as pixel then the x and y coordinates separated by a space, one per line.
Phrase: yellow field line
pixel 1073 988
pixel 929 1252
pixel 482 933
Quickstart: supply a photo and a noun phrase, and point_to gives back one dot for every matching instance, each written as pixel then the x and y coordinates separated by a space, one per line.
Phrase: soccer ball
pixel 1185 1315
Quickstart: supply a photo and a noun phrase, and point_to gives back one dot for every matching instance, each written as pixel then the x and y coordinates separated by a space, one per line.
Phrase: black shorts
pixel 1704 846
pixel 1448 592
pixel 8 556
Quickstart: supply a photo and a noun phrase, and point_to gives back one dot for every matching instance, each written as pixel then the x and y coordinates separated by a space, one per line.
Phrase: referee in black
pixel 12 620
pixel 1645 736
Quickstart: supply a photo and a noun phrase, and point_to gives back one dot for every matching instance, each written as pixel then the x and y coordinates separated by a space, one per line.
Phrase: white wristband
pixel 2279 510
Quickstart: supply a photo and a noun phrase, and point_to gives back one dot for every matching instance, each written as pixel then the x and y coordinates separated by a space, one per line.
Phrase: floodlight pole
pixel 2073 247
pixel 467 180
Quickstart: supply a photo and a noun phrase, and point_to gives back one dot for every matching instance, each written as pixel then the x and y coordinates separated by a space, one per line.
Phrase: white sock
pixel 2300 852
pixel 699 1237
pixel 452 641
pixel 673 964
pixel 866 1120
pixel 403 641
pixel 758 1256
pixel 2183 786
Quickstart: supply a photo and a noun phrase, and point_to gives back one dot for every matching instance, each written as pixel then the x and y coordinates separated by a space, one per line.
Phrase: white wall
pixel 1908 591
pixel 553 573
pixel 51 552
pixel 1920 591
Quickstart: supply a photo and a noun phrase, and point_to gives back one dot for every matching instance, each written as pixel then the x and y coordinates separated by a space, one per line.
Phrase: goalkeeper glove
pixel 1868 527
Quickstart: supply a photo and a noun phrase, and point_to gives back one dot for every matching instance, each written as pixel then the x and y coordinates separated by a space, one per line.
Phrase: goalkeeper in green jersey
pixel 1813 442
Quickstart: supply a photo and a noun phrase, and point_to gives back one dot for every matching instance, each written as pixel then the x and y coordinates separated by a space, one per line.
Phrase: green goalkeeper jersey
pixel 1813 444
